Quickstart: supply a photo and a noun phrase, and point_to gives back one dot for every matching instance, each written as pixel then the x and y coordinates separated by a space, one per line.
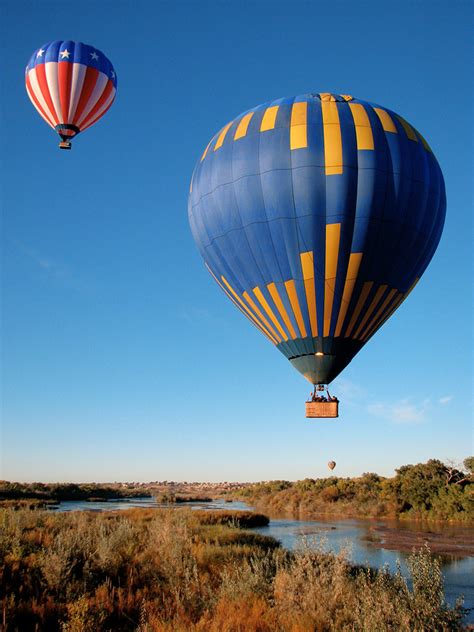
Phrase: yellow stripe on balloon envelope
pixel 423 140
pixel 206 150
pixel 398 301
pixel 222 136
pixel 365 138
pixel 358 308
pixel 307 266
pixel 247 314
pixel 269 118
pixel 327 96
pixel 272 288
pixel 333 234
pixel 386 120
pixel 332 138
pixel 351 278
pixel 375 301
pixel 243 126
pixel 298 125
pixel 388 312
pixel 263 302
pixel 249 317
pixel 295 305
pixel 410 132
pixel 378 313
pixel 256 309
pixel 244 306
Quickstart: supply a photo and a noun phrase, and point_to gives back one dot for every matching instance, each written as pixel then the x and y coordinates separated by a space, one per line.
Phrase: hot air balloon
pixel 331 465
pixel 317 215
pixel 72 85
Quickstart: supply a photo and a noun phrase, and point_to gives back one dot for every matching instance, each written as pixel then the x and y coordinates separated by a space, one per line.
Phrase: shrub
pixel 330 494
pixel 183 571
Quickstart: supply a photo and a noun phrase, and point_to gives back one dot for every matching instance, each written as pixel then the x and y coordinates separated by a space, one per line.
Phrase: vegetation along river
pixel 372 543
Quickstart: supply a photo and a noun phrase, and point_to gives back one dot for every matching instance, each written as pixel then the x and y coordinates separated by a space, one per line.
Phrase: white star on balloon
pixel 112 74
pixel 65 54
pixel 94 55
pixel 40 53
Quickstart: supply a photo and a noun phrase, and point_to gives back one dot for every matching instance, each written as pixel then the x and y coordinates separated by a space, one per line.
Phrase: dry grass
pixel 176 571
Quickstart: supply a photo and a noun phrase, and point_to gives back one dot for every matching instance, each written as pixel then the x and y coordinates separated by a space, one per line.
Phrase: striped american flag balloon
pixel 72 85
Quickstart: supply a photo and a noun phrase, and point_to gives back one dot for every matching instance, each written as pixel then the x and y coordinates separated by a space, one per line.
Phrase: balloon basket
pixel 322 410
pixel 65 145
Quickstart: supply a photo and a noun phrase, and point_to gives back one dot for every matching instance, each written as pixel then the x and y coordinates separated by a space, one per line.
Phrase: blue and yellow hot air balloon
pixel 317 215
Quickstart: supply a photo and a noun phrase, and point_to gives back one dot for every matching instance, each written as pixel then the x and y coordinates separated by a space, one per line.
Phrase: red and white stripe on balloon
pixel 72 85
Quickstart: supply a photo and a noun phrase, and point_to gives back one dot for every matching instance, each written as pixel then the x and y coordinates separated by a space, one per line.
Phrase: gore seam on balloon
pixel 261 173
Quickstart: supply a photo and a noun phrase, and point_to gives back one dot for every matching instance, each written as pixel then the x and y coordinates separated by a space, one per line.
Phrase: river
pixel 352 536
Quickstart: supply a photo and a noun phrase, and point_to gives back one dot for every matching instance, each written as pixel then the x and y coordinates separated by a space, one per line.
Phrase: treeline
pixel 187 571
pixel 65 491
pixel 429 490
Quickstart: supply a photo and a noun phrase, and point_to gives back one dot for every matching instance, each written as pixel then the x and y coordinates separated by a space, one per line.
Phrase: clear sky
pixel 122 359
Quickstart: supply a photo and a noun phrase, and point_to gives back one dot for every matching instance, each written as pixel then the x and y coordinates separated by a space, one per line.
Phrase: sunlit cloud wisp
pixel 402 411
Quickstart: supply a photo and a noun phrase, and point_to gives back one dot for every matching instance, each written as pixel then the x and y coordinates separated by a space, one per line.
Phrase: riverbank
pixel 447 538
pixel 170 491
pixel 450 539
pixel 425 492
pixel 195 571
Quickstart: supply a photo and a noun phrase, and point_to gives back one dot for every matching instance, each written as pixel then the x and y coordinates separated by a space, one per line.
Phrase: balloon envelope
pixel 317 215
pixel 331 465
pixel 72 85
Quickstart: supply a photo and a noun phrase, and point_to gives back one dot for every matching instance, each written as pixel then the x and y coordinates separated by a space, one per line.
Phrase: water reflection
pixel 354 538
pixel 144 502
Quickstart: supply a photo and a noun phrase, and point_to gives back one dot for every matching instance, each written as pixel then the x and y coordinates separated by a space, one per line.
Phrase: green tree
pixel 469 464
pixel 417 486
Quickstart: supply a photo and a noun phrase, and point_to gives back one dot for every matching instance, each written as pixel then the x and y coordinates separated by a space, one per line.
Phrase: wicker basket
pixel 322 409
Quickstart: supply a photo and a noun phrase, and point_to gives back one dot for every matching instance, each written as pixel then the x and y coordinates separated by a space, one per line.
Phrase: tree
pixel 469 464
pixel 418 485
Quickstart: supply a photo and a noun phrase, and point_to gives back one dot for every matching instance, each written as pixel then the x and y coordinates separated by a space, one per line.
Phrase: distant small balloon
pixel 72 85
pixel 331 465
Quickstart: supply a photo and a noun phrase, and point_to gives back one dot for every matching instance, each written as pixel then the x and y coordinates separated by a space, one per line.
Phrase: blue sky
pixel 121 359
